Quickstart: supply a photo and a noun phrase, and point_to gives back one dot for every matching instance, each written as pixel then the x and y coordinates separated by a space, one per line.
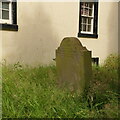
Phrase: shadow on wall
pixel 36 39
pixel 113 28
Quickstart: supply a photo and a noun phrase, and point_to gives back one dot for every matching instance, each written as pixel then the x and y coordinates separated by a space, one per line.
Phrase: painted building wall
pixel 42 26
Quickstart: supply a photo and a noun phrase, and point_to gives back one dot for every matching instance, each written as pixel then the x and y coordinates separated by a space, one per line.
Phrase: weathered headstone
pixel 74 65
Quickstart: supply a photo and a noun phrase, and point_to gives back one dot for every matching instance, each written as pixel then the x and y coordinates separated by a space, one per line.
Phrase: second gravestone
pixel 74 65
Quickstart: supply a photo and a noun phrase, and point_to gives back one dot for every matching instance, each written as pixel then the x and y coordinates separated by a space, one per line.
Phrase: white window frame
pixel 92 20
pixel 7 21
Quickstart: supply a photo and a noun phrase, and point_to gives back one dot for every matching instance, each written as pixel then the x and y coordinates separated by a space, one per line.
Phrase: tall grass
pixel 104 87
pixel 33 93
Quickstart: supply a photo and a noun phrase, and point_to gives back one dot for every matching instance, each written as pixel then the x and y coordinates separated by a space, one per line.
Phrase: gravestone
pixel 74 67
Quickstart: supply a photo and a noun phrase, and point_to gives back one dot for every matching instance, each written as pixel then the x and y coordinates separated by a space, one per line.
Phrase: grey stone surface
pixel 74 67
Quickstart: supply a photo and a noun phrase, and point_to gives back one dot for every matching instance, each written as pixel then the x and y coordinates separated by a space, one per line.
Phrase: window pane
pixel 86 11
pixel 5 14
pixel 89 20
pixel 89 28
pixel 84 27
pixel 90 5
pixel 84 20
pixel 86 4
pixel 90 12
pixel 83 4
pixel 81 20
pixel 81 27
pixel 5 5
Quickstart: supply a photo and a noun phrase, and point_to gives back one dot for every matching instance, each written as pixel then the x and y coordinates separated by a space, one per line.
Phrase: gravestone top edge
pixel 72 43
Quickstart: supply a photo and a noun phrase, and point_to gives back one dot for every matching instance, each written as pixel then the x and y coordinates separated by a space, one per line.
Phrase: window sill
pixel 87 35
pixel 9 27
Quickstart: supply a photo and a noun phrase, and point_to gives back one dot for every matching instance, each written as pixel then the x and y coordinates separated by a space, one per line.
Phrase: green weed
pixel 33 93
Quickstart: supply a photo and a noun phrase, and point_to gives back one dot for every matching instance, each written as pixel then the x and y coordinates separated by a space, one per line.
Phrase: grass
pixel 32 93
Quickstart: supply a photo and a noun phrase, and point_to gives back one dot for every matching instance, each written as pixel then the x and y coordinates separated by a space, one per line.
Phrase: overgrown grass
pixel 32 93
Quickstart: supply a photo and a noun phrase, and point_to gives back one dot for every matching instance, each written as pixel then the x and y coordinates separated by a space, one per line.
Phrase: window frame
pixel 95 23
pixel 12 25
pixel 9 10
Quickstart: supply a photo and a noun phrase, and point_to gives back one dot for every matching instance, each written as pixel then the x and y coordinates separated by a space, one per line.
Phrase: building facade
pixel 32 31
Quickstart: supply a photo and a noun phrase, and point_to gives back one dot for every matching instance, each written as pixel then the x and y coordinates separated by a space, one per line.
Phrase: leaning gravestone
pixel 74 65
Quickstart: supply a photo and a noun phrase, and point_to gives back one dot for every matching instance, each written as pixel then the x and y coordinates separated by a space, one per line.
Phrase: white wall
pixel 42 26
